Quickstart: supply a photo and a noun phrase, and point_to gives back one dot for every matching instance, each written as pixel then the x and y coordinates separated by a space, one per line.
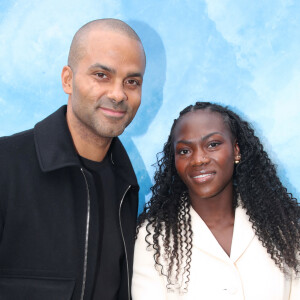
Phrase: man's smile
pixel 112 112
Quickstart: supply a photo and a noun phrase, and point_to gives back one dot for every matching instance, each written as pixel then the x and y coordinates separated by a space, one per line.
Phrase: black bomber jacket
pixel 47 214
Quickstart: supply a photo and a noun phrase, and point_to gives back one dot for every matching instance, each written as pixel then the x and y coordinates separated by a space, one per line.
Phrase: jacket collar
pixel 121 162
pixel 204 240
pixel 243 233
pixel 55 148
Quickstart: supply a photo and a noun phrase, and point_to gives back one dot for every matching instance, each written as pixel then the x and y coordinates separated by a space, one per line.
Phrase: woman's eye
pixel 183 152
pixel 213 144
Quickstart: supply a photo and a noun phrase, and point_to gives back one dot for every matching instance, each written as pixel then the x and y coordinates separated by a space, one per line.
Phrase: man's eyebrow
pixel 103 67
pixel 202 139
pixel 135 75
pixel 113 71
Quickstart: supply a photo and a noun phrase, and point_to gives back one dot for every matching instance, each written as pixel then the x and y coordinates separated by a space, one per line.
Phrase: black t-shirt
pixel 110 240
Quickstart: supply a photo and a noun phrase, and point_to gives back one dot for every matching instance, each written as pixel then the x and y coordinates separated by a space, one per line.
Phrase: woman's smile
pixel 204 154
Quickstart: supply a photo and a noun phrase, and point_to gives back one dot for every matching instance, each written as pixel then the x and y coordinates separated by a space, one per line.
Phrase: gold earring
pixel 237 160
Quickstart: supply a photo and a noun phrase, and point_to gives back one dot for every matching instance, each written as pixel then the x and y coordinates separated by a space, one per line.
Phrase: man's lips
pixel 112 112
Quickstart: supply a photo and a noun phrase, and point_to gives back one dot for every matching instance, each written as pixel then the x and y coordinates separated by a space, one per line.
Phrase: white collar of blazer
pixel 204 240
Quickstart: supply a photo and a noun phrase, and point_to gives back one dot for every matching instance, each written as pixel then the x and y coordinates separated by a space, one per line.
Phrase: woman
pixel 220 224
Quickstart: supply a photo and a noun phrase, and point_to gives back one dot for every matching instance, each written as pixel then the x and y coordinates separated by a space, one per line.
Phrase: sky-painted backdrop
pixel 244 54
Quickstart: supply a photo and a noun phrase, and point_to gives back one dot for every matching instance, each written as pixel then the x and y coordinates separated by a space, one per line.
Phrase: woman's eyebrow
pixel 202 139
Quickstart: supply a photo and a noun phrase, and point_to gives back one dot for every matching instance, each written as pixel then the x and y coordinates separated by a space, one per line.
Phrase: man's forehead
pixel 107 35
pixel 108 41
pixel 103 33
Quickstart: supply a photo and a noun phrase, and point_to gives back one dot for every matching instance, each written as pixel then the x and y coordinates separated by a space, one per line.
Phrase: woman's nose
pixel 200 158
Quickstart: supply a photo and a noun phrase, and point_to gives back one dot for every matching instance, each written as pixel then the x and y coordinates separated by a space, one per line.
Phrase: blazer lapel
pixel 243 234
pixel 204 240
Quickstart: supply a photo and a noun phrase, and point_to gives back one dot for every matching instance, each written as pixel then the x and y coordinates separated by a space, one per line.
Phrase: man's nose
pixel 116 92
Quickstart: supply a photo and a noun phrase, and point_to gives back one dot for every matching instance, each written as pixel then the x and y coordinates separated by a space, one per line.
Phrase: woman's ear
pixel 66 79
pixel 237 153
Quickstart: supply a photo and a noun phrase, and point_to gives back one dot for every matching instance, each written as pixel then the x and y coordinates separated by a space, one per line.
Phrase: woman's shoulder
pixel 144 230
pixel 147 232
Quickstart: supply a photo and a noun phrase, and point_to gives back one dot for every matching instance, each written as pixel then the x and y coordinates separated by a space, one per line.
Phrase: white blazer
pixel 249 273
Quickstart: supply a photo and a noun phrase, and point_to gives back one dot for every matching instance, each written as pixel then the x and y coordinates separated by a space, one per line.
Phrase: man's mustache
pixel 110 103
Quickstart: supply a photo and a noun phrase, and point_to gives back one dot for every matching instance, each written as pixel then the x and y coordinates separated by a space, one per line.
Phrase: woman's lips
pixel 203 177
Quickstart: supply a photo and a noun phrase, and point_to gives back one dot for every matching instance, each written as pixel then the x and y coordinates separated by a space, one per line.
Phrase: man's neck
pixel 92 150
pixel 88 144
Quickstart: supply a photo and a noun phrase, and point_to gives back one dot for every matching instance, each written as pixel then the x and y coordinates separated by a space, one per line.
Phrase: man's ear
pixel 66 79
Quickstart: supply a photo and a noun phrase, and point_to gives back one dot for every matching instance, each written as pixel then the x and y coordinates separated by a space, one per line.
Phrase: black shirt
pixel 109 236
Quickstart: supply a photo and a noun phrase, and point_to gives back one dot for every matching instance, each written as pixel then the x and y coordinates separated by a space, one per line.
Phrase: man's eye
pixel 101 75
pixel 132 82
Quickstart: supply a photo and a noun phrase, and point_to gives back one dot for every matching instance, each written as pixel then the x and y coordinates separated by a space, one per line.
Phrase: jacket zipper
pixel 123 239
pixel 86 236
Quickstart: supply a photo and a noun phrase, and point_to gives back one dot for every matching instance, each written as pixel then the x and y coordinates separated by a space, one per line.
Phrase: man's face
pixel 107 83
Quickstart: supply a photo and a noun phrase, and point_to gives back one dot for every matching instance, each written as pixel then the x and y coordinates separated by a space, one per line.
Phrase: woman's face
pixel 204 154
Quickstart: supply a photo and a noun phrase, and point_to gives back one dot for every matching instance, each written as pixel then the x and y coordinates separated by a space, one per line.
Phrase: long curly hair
pixel 273 211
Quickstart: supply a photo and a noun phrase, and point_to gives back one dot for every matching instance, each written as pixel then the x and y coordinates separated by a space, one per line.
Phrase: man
pixel 68 199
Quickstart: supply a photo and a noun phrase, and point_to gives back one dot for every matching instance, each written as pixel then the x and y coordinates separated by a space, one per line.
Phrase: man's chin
pixel 110 133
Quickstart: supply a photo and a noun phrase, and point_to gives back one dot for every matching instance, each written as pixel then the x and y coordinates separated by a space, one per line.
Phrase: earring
pixel 237 160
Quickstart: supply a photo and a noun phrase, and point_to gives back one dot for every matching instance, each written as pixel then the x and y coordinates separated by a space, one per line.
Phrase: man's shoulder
pixel 16 150
pixel 16 139
pixel 26 137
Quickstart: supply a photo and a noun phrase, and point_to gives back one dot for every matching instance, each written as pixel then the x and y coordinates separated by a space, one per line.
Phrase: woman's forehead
pixel 201 121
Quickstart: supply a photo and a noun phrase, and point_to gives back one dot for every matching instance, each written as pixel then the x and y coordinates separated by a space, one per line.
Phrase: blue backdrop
pixel 245 54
